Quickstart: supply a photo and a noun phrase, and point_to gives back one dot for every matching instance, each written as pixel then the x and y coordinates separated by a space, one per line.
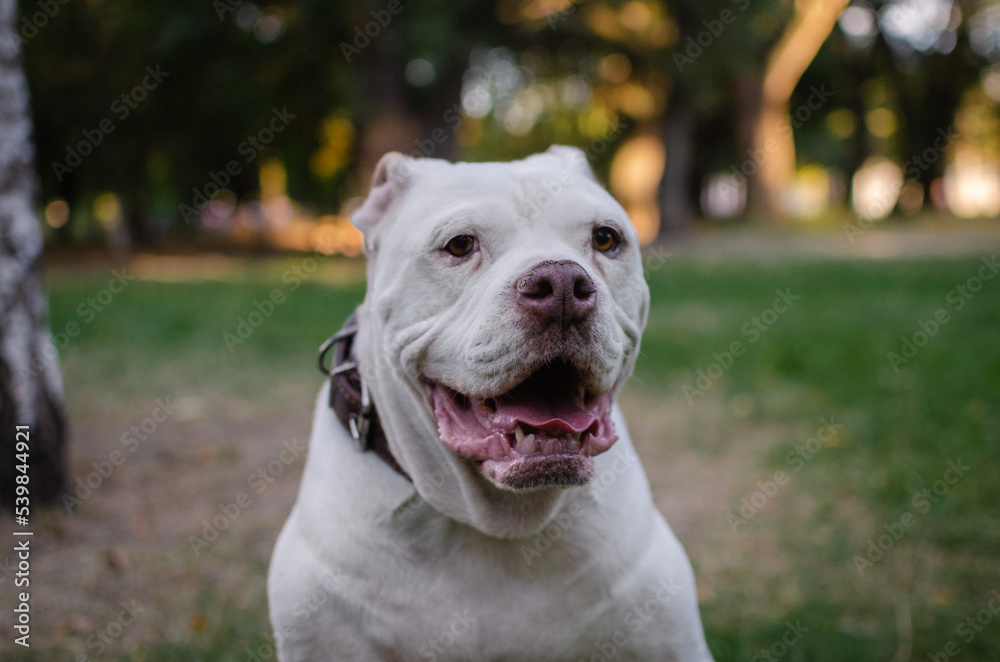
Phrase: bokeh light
pixel 107 209
pixel 56 213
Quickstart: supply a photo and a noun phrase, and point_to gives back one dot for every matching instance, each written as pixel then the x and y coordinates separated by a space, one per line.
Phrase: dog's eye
pixel 461 245
pixel 606 239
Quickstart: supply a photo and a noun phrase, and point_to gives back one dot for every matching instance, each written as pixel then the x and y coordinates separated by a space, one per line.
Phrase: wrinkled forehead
pixel 527 194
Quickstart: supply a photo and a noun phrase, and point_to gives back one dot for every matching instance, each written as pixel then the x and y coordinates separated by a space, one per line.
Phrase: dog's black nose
pixel 557 292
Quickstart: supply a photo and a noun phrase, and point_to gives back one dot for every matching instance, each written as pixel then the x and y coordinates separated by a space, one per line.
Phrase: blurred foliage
pixel 341 68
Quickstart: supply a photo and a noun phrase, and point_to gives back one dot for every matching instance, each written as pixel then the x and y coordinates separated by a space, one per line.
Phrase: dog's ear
pixel 574 158
pixel 391 175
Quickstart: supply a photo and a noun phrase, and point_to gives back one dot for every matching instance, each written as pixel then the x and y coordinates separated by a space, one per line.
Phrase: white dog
pixel 504 514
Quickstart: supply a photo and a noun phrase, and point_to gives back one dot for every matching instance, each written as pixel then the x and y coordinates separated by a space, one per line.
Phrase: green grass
pixel 826 356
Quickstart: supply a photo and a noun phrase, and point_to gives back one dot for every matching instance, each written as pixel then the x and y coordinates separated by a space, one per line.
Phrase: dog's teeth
pixel 519 433
pixel 576 435
pixel 528 446
pixel 573 445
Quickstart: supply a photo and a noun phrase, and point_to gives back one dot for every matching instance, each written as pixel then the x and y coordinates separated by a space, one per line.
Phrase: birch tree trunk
pixel 30 385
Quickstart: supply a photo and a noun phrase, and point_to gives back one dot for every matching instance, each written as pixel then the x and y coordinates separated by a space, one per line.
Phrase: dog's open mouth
pixel 544 431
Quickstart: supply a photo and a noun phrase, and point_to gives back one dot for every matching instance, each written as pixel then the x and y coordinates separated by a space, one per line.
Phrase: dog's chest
pixel 532 599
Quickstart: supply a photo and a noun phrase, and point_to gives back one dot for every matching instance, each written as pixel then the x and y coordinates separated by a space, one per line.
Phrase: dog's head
pixel 504 311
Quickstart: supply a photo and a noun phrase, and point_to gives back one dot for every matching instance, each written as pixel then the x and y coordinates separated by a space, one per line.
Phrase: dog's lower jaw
pixel 527 473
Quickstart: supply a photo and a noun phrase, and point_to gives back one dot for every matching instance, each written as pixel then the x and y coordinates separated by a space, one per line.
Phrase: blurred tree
pixel 914 85
pixel 712 78
pixel 409 77
pixel 702 62
pixel 802 38
pixel 30 384
pixel 715 98
pixel 184 89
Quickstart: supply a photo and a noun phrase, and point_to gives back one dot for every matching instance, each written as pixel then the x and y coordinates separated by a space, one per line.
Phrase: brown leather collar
pixel 349 396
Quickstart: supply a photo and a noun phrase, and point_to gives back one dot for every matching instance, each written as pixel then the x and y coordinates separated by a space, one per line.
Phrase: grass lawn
pixel 776 459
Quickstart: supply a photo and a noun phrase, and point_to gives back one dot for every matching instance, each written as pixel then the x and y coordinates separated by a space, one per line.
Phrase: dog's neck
pixel 349 396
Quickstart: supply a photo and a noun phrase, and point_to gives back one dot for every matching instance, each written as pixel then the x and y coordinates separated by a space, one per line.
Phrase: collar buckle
pixel 347 333
pixel 359 423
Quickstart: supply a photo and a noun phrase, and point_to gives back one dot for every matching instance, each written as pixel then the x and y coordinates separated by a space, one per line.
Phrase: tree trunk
pixel 746 99
pixel 30 384
pixel 676 209
pixel 774 144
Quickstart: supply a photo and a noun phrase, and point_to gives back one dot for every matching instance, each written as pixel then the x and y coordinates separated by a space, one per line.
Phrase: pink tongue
pixel 545 406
